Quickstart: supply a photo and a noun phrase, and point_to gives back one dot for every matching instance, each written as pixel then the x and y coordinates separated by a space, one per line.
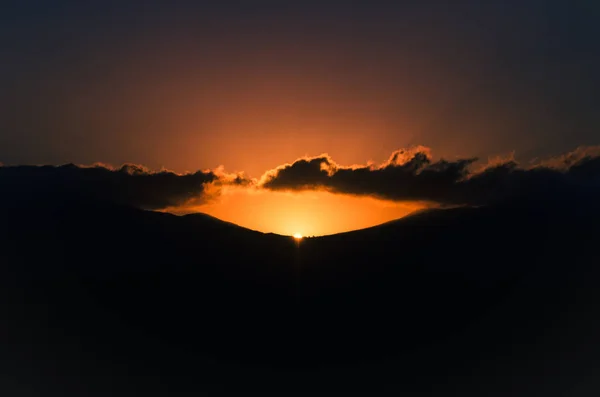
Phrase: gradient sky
pixel 251 85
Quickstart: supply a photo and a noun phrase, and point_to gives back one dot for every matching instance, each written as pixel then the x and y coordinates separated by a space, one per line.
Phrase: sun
pixel 297 236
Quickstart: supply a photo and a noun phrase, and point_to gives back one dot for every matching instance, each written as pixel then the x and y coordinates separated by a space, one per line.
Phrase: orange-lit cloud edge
pixel 315 195
pixel 309 211
pixel 314 208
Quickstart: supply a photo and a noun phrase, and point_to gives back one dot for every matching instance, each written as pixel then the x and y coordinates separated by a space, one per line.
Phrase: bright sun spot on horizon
pixel 297 236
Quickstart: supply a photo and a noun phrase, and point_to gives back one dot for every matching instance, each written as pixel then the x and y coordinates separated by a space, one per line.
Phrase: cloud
pixel 130 184
pixel 409 175
pixel 412 175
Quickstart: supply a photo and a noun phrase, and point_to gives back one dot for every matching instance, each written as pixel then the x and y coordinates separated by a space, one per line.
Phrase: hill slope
pixel 155 300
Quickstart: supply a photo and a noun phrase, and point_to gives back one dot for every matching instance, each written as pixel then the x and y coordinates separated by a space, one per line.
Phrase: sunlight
pixel 309 213
pixel 297 236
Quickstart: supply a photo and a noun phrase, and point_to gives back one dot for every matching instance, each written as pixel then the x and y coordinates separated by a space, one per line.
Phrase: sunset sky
pixel 241 86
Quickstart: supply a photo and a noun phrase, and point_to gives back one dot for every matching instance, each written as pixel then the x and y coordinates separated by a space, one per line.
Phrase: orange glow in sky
pixel 311 213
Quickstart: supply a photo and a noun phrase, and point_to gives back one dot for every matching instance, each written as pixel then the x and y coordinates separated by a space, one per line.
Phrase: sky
pixel 240 86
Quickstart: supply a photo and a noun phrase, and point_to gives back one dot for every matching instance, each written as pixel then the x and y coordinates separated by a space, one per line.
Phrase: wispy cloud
pixel 408 175
pixel 411 174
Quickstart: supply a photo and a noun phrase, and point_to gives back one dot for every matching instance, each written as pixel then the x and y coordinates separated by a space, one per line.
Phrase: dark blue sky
pixel 251 85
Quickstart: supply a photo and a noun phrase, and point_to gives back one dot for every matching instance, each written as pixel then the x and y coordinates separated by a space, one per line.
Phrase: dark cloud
pixel 128 185
pixel 408 175
pixel 412 175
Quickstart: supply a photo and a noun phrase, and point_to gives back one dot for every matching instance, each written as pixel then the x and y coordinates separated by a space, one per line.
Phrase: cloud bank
pixel 411 175
pixel 408 175
pixel 130 184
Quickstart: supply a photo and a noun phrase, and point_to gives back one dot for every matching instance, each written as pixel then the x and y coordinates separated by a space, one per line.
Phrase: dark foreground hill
pixel 108 300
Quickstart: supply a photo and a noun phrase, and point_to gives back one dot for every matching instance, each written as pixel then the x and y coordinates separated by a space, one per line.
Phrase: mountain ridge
pixel 430 294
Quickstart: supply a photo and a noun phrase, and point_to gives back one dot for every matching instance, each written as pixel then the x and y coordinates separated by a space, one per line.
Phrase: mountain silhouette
pixel 480 300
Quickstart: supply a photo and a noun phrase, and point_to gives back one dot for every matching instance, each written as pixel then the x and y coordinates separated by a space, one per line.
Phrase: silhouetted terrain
pixel 497 300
